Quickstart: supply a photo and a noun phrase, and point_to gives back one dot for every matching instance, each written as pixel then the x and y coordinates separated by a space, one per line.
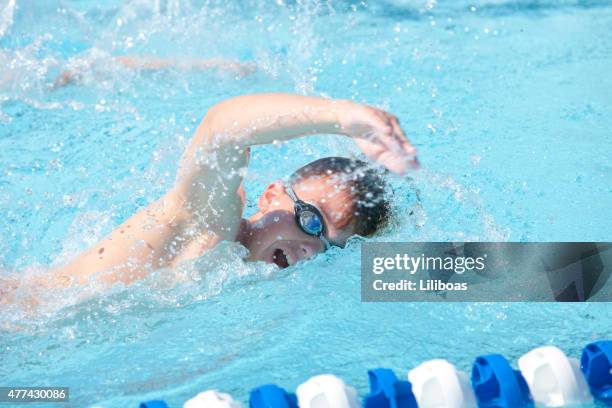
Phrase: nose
pixel 309 249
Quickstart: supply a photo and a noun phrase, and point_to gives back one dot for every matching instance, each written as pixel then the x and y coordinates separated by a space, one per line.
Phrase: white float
pixel 212 399
pixel 438 384
pixel 326 390
pixel 554 379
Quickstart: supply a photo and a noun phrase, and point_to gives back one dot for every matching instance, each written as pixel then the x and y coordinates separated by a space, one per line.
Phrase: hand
pixel 66 78
pixel 379 136
pixel 241 69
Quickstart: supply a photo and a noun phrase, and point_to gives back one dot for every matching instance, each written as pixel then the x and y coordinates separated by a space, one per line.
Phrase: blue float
pixel 596 364
pixel 497 385
pixel 153 404
pixel 271 396
pixel 386 391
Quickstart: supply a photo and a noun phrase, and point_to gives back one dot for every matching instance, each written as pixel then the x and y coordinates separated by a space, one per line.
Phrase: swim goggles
pixel 308 217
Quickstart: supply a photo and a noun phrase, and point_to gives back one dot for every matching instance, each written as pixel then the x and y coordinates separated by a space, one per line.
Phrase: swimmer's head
pixel 349 194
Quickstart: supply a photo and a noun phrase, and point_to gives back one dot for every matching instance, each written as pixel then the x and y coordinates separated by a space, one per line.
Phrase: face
pixel 275 237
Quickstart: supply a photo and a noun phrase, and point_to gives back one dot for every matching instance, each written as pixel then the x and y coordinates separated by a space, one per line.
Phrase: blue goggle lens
pixel 311 223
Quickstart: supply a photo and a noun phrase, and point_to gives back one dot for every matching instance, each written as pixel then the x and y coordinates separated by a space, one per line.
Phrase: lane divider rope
pixel 546 377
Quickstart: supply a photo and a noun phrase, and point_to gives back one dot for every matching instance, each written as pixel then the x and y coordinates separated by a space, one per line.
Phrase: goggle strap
pixel 325 241
pixel 291 193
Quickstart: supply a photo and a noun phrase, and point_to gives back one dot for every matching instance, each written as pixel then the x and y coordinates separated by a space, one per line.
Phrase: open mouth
pixel 279 258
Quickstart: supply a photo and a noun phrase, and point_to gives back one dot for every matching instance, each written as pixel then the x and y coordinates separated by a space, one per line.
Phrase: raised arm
pixel 249 120
pixel 205 204
pixel 218 149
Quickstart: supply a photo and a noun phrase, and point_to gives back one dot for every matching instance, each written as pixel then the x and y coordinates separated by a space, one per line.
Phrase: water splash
pixel 6 16
pixel 33 303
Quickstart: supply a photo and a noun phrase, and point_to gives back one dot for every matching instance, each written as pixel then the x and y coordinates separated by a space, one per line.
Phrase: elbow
pixel 222 116
pixel 218 116
pixel 213 113
pixel 214 126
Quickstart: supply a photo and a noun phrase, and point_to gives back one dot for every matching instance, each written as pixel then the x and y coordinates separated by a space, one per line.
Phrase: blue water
pixel 508 103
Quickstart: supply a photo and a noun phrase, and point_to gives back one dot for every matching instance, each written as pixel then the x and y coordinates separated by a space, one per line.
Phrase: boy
pixel 324 204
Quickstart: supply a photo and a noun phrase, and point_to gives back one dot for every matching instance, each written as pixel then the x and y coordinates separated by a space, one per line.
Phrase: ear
pixel 269 196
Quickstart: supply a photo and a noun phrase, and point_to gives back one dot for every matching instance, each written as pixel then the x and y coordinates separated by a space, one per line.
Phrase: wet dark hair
pixel 363 184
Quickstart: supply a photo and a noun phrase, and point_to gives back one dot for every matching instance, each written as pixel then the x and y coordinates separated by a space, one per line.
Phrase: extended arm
pixel 153 63
pixel 146 62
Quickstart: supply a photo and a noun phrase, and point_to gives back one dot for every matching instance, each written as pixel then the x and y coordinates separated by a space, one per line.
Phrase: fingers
pixel 400 136
pixel 394 160
pixel 392 136
pixel 395 163
pixel 401 155
pixel 386 142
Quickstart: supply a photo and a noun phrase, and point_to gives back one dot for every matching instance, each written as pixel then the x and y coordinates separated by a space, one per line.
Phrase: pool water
pixel 507 101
